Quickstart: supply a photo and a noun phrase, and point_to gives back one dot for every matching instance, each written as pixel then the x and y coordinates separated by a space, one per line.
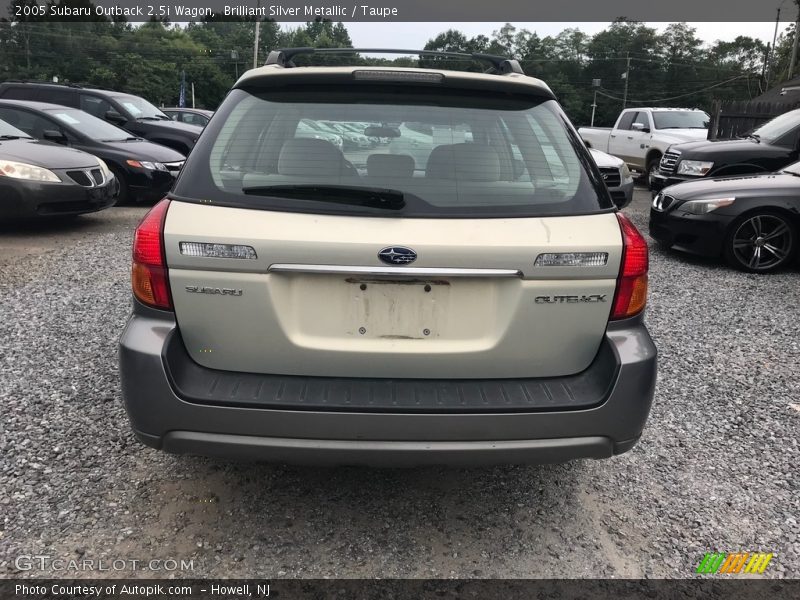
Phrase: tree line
pixel 670 68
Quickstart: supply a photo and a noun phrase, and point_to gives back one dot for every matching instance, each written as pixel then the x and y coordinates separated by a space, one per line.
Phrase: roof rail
pixel 85 86
pixel 500 65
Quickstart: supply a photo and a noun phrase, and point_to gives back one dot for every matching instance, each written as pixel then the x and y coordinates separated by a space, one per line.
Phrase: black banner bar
pixel 444 11
pixel 729 588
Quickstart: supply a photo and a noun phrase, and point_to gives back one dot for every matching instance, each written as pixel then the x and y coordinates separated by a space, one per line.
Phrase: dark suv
pixel 770 147
pixel 132 113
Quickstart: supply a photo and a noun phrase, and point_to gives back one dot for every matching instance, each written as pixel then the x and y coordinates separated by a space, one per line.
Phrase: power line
pixel 674 97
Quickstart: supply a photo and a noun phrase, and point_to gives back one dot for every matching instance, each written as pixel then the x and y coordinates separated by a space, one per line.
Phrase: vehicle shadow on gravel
pixel 53 226
pixel 694 260
pixel 271 520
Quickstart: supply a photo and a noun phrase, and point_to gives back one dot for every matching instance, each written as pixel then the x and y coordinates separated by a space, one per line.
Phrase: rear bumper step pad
pixel 201 385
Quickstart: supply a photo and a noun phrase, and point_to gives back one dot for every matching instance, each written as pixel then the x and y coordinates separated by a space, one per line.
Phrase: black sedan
pixel 38 179
pixel 145 171
pixel 752 221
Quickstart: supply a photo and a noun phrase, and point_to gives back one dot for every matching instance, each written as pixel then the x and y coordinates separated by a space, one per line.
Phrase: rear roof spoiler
pixel 499 65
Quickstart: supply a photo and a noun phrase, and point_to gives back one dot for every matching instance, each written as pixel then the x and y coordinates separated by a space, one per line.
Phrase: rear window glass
pixel 435 155
pixel 675 119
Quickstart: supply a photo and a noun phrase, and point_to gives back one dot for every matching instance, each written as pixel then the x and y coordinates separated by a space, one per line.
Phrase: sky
pixel 415 35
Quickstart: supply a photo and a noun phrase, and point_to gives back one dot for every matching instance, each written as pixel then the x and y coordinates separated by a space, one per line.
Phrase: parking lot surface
pixel 716 469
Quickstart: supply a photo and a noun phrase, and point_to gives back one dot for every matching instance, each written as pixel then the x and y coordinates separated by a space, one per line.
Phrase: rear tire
pixel 761 242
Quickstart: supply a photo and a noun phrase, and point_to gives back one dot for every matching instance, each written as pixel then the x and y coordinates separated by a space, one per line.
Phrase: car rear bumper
pixel 163 417
pixel 22 199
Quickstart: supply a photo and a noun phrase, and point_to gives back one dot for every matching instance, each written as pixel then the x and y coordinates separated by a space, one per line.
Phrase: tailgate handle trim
pixel 399 271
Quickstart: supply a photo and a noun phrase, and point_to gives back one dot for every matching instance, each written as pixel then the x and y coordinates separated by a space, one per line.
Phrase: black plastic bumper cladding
pixel 152 358
pixel 197 384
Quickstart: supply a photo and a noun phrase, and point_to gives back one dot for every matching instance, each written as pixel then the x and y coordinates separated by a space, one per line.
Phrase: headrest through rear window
pixel 311 158
pixel 390 165
pixel 467 161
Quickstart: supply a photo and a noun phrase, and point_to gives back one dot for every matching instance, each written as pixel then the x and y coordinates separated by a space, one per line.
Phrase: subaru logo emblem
pixel 397 255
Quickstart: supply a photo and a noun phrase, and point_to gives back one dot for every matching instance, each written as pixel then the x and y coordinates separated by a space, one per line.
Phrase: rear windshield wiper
pixel 339 194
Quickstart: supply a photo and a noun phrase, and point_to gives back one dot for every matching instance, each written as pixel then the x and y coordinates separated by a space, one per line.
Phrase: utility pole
pixel 770 71
pixel 627 76
pixel 794 46
pixel 235 59
pixel 258 32
pixel 595 84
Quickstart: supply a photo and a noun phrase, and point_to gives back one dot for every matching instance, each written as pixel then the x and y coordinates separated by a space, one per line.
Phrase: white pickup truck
pixel 641 135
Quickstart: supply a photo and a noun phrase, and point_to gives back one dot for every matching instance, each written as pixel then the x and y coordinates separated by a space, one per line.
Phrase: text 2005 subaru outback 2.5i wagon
pixel 476 300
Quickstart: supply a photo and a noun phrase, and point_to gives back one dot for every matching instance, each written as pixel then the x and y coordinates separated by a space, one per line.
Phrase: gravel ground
pixel 716 468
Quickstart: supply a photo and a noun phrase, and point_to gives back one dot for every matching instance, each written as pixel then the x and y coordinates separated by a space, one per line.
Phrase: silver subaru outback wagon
pixel 462 290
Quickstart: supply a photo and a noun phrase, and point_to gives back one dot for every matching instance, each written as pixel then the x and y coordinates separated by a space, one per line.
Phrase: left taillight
pixel 149 276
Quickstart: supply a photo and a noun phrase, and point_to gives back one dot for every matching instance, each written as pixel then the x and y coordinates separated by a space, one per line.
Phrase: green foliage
pixel 147 59
pixel 673 68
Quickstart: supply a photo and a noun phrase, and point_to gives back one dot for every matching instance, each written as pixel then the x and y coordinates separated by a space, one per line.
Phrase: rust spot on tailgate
pixel 393 281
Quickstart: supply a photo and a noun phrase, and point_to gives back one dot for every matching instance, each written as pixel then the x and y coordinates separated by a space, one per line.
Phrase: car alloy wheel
pixel 761 242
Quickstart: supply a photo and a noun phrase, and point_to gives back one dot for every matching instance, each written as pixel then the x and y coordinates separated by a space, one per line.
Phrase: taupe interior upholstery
pixel 467 161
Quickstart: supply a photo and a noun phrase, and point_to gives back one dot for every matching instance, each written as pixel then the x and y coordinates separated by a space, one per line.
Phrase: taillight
pixel 631 295
pixel 149 277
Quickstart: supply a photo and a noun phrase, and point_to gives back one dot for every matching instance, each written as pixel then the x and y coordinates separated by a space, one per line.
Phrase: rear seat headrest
pixel 390 165
pixel 468 161
pixel 310 157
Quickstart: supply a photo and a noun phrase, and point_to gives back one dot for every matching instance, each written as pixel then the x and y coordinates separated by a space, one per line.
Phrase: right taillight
pixel 631 295
pixel 149 276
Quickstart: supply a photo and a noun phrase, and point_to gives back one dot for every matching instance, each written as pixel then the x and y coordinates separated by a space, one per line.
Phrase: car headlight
pixel 104 168
pixel 144 164
pixel 698 168
pixel 18 170
pixel 702 207
pixel 625 172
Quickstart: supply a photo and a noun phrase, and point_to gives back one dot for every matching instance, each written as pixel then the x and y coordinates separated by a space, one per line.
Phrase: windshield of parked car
pixel 7 130
pixel 680 119
pixel 778 127
pixel 139 108
pixel 88 125
pixel 445 153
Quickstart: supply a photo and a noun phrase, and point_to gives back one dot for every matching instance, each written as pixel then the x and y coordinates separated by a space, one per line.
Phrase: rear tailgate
pixel 597 137
pixel 283 313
